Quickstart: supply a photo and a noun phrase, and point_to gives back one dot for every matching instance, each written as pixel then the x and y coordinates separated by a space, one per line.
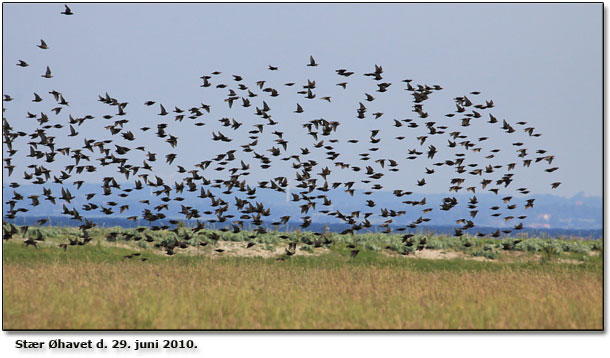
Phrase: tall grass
pixel 95 288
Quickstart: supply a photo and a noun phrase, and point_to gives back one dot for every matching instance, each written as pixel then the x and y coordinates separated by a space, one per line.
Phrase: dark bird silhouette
pixel 43 45
pixel 67 11
pixel 47 74
pixel 312 62
pixel 30 242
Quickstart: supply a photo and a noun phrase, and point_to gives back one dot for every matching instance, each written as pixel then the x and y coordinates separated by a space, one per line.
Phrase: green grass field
pixel 543 284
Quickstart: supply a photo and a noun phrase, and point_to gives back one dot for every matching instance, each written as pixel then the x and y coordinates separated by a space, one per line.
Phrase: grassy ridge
pixel 473 246
pixel 93 287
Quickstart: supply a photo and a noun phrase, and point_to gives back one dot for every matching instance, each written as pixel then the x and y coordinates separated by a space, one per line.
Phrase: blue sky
pixel 540 63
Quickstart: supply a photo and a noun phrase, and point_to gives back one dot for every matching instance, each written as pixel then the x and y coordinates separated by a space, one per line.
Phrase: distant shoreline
pixel 314 227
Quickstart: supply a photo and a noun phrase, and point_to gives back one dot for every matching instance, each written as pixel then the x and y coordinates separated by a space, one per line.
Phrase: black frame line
pixel 12 332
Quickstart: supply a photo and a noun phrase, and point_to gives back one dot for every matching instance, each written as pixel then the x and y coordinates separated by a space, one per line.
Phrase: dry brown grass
pixel 257 294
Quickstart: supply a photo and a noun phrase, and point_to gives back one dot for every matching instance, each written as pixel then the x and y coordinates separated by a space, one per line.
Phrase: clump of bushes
pixel 307 248
pixel 530 245
pixel 409 249
pixel 371 246
pixel 558 246
pixel 489 251
pixel 436 243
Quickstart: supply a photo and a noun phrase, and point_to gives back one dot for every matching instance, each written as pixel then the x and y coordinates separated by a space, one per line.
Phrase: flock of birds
pixel 233 190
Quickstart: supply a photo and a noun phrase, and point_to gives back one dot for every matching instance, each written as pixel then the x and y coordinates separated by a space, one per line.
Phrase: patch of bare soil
pixel 438 255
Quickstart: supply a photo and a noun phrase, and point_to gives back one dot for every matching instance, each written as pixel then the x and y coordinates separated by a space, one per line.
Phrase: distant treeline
pixel 105 222
pixel 576 213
